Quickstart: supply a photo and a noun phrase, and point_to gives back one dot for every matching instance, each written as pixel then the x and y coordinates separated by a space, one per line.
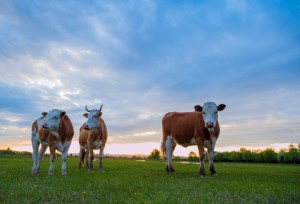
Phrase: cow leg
pixel 64 156
pixel 81 158
pixel 86 159
pixel 52 160
pixel 201 156
pixel 91 153
pixel 211 161
pixel 170 146
pixel 40 156
pixel 100 158
pixel 35 148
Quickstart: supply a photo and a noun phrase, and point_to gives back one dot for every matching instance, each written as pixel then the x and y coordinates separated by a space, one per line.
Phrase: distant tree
pixel 293 155
pixel 235 156
pixel 269 155
pixel 219 156
pixel 246 155
pixel 280 156
pixel 258 157
pixel 193 156
pixel 155 154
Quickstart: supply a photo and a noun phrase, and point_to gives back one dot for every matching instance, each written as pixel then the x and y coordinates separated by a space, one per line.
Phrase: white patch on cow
pixel 192 142
pixel 210 143
pixel 93 120
pixel 97 144
pixel 210 114
pixel 53 120
pixel 84 146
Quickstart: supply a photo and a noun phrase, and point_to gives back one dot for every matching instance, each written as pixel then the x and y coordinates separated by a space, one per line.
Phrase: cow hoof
pixel 34 172
pixel 202 176
pixel 64 172
pixel 101 169
pixel 215 174
pixel 50 173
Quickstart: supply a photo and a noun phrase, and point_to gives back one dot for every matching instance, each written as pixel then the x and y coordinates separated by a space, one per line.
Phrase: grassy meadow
pixel 130 181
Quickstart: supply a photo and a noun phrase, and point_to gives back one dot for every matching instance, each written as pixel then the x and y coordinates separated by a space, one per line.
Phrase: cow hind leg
pixel 35 147
pixel 170 146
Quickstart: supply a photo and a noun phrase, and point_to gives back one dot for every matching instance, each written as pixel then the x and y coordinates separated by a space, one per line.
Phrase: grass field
pixel 129 181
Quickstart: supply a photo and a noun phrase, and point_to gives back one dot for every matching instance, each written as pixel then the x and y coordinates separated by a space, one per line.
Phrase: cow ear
pixel 44 114
pixel 86 115
pixel 221 107
pixel 99 115
pixel 62 113
pixel 198 108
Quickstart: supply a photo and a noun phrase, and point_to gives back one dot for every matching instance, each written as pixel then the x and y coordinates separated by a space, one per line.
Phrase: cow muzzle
pixel 45 125
pixel 209 125
pixel 86 127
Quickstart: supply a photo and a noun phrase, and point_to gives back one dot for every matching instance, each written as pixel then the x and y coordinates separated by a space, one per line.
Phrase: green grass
pixel 128 181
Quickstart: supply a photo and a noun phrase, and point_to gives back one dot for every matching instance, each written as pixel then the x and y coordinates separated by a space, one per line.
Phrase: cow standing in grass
pixel 60 135
pixel 92 135
pixel 37 152
pixel 199 128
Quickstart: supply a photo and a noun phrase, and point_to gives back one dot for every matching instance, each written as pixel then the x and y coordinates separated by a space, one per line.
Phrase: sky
pixel 144 58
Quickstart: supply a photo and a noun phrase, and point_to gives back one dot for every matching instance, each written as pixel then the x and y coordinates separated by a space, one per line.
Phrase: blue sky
pixel 142 59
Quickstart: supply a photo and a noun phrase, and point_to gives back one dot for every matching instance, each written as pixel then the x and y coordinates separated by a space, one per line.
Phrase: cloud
pixel 142 60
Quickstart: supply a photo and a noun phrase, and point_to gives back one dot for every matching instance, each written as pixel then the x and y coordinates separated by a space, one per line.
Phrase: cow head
pixel 52 121
pixel 93 119
pixel 210 114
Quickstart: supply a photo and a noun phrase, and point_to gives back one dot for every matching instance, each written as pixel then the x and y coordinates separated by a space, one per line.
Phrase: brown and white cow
pixel 92 135
pixel 199 128
pixel 60 135
pixel 37 152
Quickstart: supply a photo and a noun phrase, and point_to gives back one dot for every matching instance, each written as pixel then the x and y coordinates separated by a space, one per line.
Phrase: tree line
pixel 269 155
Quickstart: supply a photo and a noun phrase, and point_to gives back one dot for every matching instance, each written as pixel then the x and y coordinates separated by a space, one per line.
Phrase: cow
pixel 37 151
pixel 92 135
pixel 60 135
pixel 200 128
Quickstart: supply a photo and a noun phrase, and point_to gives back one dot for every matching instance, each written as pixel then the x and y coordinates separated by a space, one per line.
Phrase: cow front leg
pixel 100 158
pixel 40 157
pixel 211 161
pixel 201 156
pixel 87 159
pixel 52 160
pixel 81 158
pixel 170 146
pixel 64 156
pixel 91 154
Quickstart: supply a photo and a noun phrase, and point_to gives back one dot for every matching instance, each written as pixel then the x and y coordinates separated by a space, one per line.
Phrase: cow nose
pixel 44 125
pixel 209 124
pixel 86 127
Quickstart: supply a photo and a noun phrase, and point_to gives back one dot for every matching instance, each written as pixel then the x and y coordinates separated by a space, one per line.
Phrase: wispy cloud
pixel 142 60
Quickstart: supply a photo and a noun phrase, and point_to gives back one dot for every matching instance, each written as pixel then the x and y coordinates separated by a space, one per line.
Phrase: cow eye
pixel 215 112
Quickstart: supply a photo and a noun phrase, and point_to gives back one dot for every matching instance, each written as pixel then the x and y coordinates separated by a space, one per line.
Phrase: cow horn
pixel 87 109
pixel 100 108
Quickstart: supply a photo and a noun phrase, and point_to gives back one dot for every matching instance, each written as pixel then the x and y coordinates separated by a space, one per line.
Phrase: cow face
pixel 52 121
pixel 93 119
pixel 210 114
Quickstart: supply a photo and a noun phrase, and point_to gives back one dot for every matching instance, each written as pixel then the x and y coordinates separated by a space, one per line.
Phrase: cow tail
pixel 163 148
pixel 83 156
